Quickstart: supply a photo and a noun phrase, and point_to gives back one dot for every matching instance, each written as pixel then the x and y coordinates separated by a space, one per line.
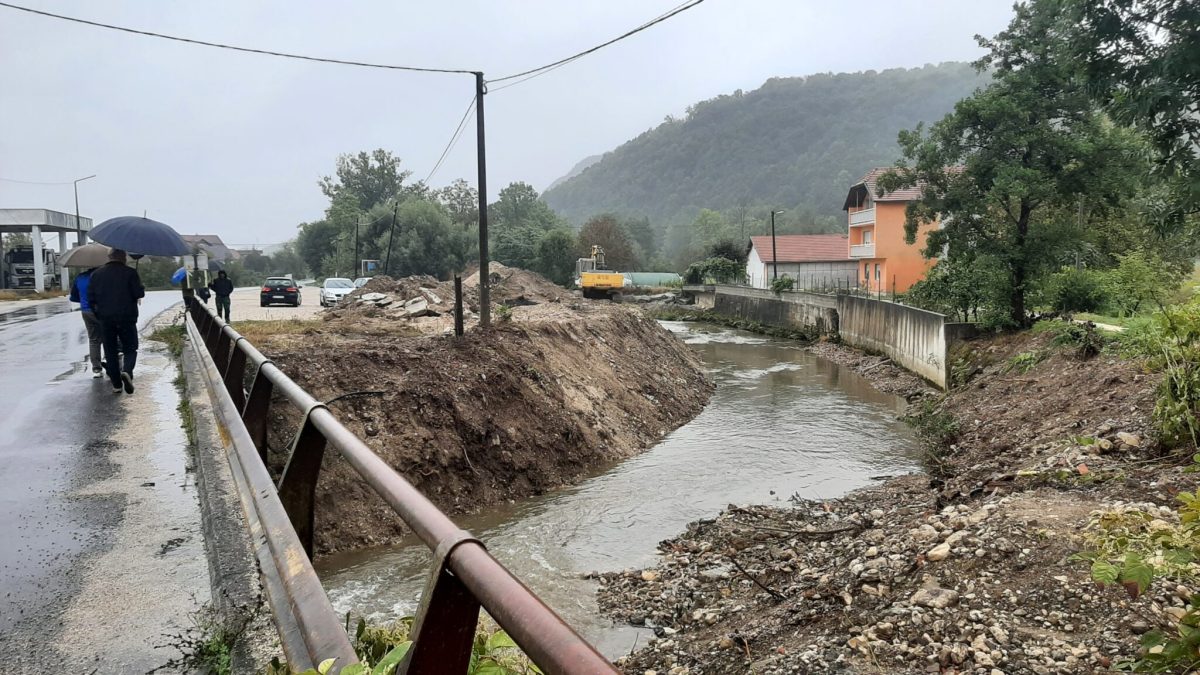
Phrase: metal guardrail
pixel 464 576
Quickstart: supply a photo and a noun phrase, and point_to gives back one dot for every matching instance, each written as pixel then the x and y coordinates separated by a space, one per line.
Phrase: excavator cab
pixel 597 281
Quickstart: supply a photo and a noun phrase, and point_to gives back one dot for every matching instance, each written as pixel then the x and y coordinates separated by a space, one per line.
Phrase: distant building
pixel 211 244
pixel 811 260
pixel 876 236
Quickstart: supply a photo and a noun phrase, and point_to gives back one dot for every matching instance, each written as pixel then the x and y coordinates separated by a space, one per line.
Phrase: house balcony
pixel 864 217
pixel 862 251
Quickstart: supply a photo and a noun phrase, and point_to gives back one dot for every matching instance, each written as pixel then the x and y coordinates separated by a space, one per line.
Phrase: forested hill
pixel 795 142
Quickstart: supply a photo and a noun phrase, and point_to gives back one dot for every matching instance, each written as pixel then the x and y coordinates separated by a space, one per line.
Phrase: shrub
pixel 783 283
pixel 714 270
pixel 1075 290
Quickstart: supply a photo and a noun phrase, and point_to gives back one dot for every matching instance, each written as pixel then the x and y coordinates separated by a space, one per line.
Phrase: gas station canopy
pixel 38 222
pixel 24 220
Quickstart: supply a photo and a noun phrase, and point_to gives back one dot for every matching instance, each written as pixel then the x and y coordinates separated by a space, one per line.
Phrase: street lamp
pixel 78 231
pixel 774 256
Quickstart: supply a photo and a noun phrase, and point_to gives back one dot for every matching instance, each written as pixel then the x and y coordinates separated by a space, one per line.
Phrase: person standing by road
pixel 113 294
pixel 79 294
pixel 222 287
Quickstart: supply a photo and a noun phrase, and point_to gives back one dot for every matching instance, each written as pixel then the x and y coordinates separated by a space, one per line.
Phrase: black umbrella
pixel 140 236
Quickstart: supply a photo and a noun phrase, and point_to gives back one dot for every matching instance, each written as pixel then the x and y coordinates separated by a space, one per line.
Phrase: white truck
pixel 18 268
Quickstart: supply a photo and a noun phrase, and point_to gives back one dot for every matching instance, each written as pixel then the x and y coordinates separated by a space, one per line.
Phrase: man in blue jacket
pixel 79 294
pixel 113 293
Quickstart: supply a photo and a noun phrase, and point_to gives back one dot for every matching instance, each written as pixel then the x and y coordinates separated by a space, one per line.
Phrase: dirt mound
pixel 526 406
pixel 514 286
pixel 969 570
pixel 414 297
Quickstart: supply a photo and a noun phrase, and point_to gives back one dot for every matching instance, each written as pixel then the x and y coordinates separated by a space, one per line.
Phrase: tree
pixel 643 235
pixel 1004 167
pixel 287 261
pixel 730 250
pixel 461 201
pixel 606 232
pixel 426 241
pixel 315 241
pixel 1143 60
pixel 1141 278
pixel 519 205
pixel 556 256
pixel 368 179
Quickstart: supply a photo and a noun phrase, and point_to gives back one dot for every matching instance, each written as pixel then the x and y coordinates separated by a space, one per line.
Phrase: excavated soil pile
pixel 415 297
pixel 524 407
pixel 968 570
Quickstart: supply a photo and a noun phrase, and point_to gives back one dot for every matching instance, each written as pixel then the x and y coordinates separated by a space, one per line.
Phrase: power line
pixel 533 72
pixel 453 139
pixel 205 43
pixel 33 182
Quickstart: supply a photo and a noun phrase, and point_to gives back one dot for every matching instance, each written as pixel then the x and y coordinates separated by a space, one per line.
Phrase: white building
pixel 813 260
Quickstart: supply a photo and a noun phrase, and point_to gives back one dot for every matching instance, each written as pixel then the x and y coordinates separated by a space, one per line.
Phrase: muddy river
pixel 782 422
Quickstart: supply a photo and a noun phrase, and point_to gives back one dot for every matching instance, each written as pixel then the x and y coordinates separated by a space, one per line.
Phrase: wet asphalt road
pixel 55 425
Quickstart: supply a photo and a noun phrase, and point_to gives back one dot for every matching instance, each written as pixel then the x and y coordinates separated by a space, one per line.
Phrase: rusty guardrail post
pixel 256 411
pixel 444 631
pixel 298 484
pixel 235 374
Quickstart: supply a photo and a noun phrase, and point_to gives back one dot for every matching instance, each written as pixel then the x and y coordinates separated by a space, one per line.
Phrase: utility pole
pixel 79 235
pixel 774 256
pixel 485 296
pixel 357 264
pixel 387 262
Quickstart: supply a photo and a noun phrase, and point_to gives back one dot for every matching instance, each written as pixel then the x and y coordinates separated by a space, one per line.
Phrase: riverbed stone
pixel 935 598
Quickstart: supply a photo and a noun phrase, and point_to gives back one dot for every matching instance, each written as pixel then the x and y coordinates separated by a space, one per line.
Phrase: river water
pixel 782 422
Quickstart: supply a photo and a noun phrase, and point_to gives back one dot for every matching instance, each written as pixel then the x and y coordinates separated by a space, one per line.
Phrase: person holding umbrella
pixel 113 293
pixel 87 257
pixel 79 291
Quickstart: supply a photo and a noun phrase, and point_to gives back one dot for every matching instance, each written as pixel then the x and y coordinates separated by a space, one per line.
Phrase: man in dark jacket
pixel 113 293
pixel 222 287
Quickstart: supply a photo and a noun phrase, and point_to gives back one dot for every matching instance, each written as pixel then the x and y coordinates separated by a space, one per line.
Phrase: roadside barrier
pixel 464 576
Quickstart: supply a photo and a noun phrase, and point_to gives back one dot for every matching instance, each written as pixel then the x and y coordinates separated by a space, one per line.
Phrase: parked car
pixel 334 289
pixel 361 281
pixel 279 290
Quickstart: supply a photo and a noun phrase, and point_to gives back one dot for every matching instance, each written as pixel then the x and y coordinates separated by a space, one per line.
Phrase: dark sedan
pixel 279 290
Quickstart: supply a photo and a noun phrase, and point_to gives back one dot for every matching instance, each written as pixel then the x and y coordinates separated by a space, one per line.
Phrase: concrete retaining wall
pixel 916 339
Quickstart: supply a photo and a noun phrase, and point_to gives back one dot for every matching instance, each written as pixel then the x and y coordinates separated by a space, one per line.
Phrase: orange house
pixel 885 261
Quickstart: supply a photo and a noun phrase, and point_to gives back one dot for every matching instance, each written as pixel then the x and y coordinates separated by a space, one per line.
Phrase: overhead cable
pixel 35 182
pixel 250 50
pixel 453 139
pixel 533 72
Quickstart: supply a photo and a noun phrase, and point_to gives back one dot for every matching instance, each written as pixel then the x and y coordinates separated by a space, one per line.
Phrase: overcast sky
pixel 212 141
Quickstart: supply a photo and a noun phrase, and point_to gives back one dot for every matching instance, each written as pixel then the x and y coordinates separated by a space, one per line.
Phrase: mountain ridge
pixel 795 142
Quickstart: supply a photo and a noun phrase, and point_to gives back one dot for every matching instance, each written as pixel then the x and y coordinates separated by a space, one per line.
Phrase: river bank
pixel 967 569
pixel 556 388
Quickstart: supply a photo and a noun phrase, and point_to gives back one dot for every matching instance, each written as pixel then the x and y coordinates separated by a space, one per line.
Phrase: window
pixel 866 271
pixel 876 272
pixel 867 236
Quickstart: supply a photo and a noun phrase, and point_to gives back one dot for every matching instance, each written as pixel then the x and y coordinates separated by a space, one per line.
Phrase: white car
pixel 334 289
pixel 361 281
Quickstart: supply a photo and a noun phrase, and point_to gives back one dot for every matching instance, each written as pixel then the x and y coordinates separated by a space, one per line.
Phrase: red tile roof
pixel 794 248
pixel 869 184
pixel 902 195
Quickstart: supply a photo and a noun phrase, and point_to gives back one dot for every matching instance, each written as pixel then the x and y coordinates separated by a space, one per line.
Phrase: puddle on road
pixel 782 421
pixel 39 311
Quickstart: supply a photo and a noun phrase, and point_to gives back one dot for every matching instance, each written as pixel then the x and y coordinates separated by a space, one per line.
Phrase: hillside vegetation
pixel 795 142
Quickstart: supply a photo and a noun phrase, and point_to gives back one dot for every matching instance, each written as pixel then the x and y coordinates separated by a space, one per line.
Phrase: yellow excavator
pixel 596 281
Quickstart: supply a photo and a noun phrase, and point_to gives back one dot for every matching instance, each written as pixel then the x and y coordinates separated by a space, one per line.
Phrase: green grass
pixel 1102 318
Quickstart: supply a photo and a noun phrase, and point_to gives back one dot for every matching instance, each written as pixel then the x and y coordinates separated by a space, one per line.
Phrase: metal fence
pixel 463 578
